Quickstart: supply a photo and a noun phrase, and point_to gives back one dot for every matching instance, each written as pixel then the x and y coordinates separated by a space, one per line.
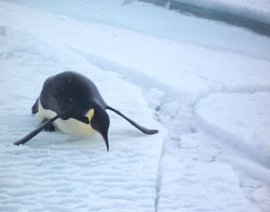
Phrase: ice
pixel 253 9
pixel 204 85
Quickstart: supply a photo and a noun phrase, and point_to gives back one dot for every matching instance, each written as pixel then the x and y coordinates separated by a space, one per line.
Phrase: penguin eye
pixel 90 114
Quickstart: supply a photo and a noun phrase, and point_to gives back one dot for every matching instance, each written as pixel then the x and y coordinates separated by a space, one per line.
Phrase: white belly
pixel 69 126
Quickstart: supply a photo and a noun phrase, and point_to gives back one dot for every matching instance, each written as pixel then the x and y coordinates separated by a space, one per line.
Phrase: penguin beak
pixel 103 132
pixel 104 135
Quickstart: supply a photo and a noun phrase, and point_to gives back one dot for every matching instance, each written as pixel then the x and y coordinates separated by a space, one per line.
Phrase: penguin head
pixel 100 122
pixel 96 116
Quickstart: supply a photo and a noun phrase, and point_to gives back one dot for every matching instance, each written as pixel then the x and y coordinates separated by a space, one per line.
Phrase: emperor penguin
pixel 71 102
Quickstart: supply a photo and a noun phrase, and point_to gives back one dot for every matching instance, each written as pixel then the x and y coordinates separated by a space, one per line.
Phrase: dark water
pixel 236 20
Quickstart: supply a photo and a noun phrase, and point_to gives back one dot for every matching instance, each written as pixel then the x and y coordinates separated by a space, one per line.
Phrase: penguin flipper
pixel 35 107
pixel 38 130
pixel 139 127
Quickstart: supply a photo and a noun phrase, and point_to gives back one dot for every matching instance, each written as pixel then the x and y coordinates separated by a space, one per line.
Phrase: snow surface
pixel 208 91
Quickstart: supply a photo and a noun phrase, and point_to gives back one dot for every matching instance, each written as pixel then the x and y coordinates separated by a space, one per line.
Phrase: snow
pixel 206 92
pixel 239 119
pixel 203 182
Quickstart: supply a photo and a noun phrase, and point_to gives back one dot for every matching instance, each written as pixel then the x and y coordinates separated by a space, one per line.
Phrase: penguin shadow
pixel 58 139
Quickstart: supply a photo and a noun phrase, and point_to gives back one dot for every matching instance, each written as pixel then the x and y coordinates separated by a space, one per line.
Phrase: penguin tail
pixel 38 130
pixel 139 127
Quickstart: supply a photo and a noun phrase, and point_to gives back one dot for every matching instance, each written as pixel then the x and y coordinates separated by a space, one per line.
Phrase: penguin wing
pixel 139 127
pixel 36 131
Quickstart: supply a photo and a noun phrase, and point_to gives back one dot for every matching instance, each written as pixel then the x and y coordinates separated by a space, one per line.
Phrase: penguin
pixel 72 103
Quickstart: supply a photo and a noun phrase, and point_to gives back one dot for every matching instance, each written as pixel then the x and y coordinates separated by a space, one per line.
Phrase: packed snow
pixel 204 85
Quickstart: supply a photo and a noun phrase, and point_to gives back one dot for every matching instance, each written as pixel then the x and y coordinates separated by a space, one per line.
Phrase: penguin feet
pixel 49 128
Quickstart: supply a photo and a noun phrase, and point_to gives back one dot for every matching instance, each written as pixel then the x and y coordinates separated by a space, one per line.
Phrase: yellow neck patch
pixel 90 114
